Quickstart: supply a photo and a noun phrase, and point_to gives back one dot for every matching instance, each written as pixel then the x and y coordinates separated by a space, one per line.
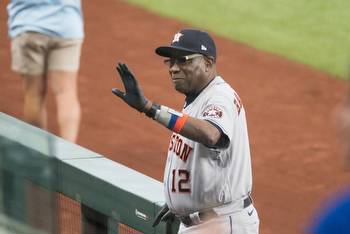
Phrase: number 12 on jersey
pixel 183 177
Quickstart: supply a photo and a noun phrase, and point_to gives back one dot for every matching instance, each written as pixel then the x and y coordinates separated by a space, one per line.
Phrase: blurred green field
pixel 313 32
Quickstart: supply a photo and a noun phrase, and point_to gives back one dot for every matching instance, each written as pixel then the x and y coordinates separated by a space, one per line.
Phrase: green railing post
pixel 12 186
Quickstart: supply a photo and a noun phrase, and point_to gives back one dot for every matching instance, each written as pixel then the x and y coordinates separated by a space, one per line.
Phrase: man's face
pixel 187 75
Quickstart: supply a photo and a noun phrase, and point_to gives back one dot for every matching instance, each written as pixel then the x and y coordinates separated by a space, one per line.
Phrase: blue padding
pixel 172 121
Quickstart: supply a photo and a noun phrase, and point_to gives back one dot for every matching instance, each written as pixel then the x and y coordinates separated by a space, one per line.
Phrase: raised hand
pixel 133 95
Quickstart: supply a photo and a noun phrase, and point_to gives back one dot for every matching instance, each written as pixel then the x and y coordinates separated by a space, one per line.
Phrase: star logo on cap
pixel 177 37
pixel 203 47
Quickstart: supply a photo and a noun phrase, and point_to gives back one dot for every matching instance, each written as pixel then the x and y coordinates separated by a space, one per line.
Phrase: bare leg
pixel 35 90
pixel 64 87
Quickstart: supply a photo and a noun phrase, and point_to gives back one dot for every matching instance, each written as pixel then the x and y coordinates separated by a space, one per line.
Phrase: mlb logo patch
pixel 213 112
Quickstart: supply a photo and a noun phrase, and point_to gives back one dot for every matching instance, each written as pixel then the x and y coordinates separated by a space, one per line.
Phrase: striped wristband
pixel 170 118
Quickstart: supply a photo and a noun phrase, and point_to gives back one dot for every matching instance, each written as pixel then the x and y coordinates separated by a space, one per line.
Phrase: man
pixel 46 38
pixel 208 178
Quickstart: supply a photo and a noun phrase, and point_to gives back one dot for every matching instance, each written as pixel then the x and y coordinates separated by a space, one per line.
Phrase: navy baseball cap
pixel 189 41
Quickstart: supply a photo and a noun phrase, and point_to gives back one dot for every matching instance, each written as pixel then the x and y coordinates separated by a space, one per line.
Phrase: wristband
pixel 180 123
pixel 170 118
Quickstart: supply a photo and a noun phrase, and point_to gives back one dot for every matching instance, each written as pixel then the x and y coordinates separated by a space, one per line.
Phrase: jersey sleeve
pixel 221 111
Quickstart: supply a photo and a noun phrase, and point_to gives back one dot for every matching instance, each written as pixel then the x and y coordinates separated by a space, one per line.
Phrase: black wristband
pixel 152 112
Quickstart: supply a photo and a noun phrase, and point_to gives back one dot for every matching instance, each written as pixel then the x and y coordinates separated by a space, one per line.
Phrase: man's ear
pixel 208 63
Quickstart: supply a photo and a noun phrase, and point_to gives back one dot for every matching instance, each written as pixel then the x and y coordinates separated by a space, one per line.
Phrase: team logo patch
pixel 213 112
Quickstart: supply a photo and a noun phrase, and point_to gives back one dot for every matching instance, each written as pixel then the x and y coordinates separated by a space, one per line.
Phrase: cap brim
pixel 173 51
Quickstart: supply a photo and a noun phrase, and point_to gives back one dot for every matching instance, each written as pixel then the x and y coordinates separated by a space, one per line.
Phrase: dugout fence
pixel 49 185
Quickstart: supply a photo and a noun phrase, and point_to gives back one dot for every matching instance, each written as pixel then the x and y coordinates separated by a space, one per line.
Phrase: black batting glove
pixel 164 215
pixel 133 95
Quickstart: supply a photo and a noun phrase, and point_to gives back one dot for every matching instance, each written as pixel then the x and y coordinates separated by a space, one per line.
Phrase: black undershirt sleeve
pixel 224 141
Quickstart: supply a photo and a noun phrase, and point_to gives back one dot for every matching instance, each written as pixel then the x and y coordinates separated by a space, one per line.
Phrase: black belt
pixel 209 214
pixel 247 202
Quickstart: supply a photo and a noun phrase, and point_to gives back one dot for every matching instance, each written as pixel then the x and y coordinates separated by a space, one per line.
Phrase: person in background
pixel 335 216
pixel 46 39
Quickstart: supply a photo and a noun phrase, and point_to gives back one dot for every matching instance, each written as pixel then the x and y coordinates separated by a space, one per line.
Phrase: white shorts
pixel 245 221
pixel 36 54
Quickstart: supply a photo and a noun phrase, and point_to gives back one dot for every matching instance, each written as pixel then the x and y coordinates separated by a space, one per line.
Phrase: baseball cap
pixel 189 41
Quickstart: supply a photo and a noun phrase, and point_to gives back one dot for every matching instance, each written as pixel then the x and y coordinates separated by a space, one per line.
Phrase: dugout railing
pixel 41 173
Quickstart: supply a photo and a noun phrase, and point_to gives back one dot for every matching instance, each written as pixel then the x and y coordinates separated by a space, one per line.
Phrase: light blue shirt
pixel 57 18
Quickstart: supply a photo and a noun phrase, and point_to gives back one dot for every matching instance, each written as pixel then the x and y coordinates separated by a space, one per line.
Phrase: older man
pixel 208 175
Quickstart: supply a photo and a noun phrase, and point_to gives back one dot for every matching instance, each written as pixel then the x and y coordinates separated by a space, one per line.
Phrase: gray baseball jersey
pixel 197 177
